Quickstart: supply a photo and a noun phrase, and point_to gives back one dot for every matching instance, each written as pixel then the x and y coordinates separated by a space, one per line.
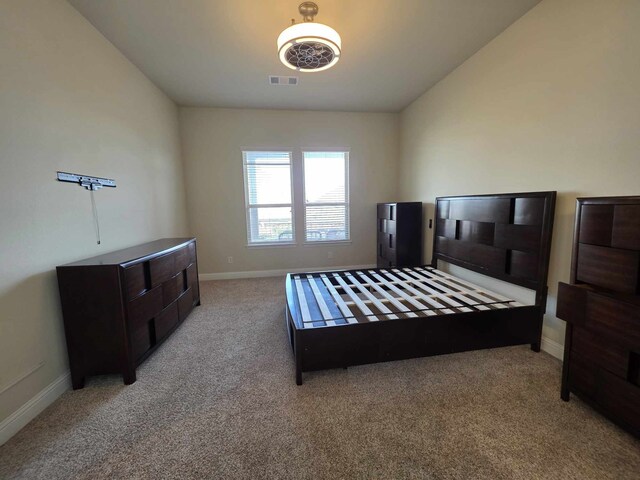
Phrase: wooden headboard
pixel 505 236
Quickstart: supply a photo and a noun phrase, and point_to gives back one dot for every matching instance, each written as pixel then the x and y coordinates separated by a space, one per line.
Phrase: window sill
pixel 315 243
pixel 271 245
pixel 326 242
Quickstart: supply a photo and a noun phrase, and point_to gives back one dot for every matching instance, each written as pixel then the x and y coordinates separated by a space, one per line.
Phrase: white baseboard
pixel 275 273
pixel 30 410
pixel 552 347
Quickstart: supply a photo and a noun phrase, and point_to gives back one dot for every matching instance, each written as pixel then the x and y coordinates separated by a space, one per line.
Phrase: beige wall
pixel 553 103
pixel 212 142
pixel 70 101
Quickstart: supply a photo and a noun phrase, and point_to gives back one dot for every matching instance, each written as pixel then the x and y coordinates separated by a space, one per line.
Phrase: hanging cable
pixel 95 215
pixel 92 184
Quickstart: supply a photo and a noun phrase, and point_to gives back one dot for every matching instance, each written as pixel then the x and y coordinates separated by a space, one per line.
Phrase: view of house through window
pixel 326 196
pixel 269 197
pixel 269 205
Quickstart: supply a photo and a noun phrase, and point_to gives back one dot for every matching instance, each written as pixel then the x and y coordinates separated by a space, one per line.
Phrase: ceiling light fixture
pixel 309 46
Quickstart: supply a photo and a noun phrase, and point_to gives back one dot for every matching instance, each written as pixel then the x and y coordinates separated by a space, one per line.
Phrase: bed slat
pixel 302 299
pixel 466 301
pixel 394 301
pixel 412 300
pixel 425 285
pixel 363 308
pixel 427 298
pixel 379 305
pixel 324 309
pixel 348 315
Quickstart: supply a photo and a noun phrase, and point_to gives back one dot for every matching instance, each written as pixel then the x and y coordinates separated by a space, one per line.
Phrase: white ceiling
pixel 220 52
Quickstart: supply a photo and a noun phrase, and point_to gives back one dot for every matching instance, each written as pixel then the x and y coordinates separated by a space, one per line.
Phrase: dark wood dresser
pixel 602 309
pixel 399 234
pixel 120 306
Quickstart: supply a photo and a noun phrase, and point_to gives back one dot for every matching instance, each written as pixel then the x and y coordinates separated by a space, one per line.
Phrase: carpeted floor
pixel 218 400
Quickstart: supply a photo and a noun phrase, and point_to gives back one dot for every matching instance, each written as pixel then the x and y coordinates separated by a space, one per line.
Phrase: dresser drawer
pixel 610 268
pixel 185 304
pixel 616 397
pixel 182 259
pixel 621 400
pixel 172 289
pixel 626 227
pixel 391 256
pixel 162 268
pixel 583 377
pixel 600 351
pixel 382 225
pixel 134 281
pixel 383 238
pixel 192 279
pixel 391 227
pixel 140 340
pixel 613 318
pixel 572 303
pixel 387 211
pixel 192 252
pixel 166 320
pixel 145 307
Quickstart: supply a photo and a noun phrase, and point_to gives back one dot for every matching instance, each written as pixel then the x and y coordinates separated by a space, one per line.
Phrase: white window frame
pixel 248 205
pixel 346 203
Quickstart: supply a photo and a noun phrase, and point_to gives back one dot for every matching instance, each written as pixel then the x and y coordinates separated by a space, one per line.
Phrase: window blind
pixel 326 193
pixel 268 197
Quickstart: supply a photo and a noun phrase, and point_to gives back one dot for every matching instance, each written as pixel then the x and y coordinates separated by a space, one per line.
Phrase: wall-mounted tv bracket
pixel 92 184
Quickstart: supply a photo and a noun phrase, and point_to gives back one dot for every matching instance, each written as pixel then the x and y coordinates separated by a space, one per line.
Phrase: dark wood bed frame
pixel 504 236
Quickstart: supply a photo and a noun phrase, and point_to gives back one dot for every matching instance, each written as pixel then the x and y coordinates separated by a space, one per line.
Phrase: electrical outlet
pixel 230 259
pixel 329 254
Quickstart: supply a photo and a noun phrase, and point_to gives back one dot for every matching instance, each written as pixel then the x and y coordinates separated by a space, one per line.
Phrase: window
pixel 268 198
pixel 326 196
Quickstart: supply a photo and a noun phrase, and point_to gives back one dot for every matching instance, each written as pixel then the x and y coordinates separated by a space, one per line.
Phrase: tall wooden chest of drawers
pixel 602 309
pixel 399 234
pixel 119 307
